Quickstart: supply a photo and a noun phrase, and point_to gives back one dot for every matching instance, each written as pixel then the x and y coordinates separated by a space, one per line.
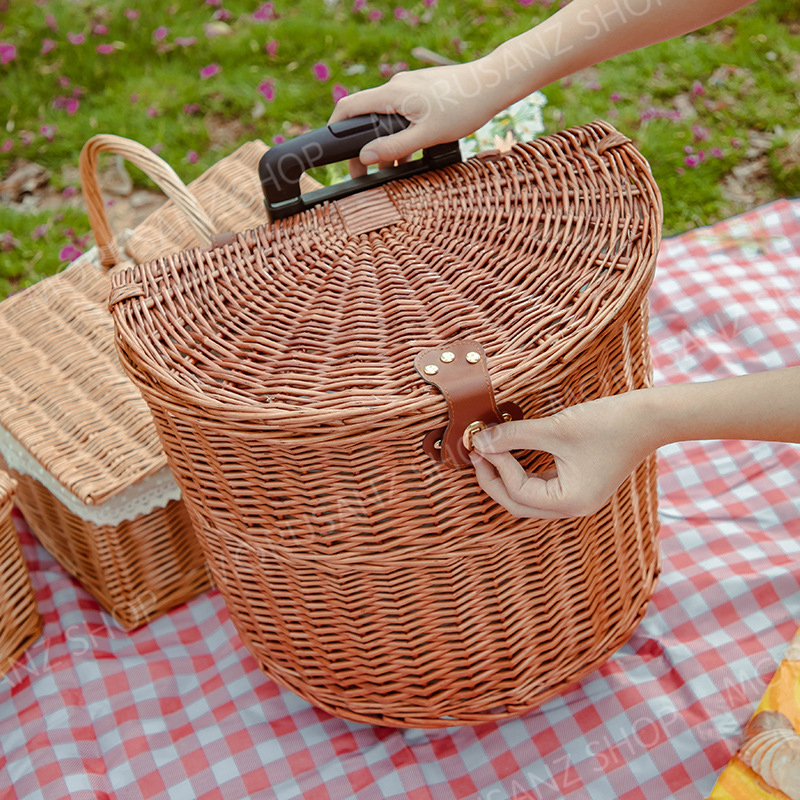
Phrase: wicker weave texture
pixel 20 622
pixel 65 398
pixel 136 570
pixel 366 577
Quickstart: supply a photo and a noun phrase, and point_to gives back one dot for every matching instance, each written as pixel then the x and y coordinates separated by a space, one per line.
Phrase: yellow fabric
pixel 769 770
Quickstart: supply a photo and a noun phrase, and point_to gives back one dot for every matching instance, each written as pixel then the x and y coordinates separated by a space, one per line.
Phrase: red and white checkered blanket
pixel 179 709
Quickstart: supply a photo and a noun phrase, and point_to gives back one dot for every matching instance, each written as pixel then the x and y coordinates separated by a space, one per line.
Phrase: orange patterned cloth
pixel 767 764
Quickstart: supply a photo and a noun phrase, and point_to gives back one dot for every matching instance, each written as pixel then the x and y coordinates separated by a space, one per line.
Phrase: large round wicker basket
pixel 374 581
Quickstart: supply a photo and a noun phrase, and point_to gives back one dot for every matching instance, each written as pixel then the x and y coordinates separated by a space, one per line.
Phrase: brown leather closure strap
pixel 459 371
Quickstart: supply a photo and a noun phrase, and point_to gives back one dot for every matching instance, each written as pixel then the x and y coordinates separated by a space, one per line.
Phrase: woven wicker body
pixel 378 584
pixel 66 404
pixel 137 569
pixel 20 622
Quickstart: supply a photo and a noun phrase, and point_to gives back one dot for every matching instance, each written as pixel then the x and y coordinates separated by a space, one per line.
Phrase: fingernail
pixel 369 157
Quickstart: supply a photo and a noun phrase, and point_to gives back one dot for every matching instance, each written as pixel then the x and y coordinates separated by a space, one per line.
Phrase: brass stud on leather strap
pixel 459 370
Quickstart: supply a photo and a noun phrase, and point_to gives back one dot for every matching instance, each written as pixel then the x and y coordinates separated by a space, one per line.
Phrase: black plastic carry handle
pixel 280 167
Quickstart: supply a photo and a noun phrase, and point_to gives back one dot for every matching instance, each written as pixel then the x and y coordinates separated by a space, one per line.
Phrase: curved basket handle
pixel 156 169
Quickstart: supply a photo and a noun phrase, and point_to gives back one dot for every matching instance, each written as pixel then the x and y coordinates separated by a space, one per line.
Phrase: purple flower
pixel 697 89
pixel 222 14
pixel 210 71
pixel 7 146
pixel 615 97
pixel 400 12
pixel 736 143
pixel 525 3
pixel 105 49
pixel 272 48
pixel 680 170
pixel 191 157
pixel 69 104
pixel 151 112
pixel 8 52
pixel 700 133
pixel 48 131
pixel 374 15
pixel 40 231
pixel 387 70
pixel 47 46
pixel 76 38
pixel 691 161
pixel 358 5
pixel 214 3
pixel 63 81
pixel 100 30
pixel 687 148
pixel 190 109
pixel 69 191
pixel 185 41
pixel 338 92
pixel 8 242
pixel 26 137
pixel 278 139
pixel 429 3
pixel 266 12
pixel 716 152
pixel 51 22
pixel 321 71
pixel 134 97
pixel 160 33
pixel 69 253
pixel 267 90
pixel 701 155
pixel 132 14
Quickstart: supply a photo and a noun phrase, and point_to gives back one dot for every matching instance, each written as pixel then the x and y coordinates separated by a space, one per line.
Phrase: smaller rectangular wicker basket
pixel 93 484
pixel 20 622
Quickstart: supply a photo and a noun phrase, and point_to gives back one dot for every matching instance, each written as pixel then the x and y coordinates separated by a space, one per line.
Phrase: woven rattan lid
pixel 314 322
pixel 63 394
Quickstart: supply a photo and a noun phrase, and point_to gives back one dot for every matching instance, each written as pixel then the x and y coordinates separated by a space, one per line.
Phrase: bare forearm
pixel 586 32
pixel 762 406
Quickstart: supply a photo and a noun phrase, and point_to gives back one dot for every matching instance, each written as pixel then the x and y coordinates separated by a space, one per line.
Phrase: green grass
pixel 757 95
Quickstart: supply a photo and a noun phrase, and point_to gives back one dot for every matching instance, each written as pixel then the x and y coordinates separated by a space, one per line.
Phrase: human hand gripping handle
pixel 442 104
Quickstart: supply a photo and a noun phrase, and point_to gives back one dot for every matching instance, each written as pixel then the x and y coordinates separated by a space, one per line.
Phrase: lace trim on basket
pixel 143 497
